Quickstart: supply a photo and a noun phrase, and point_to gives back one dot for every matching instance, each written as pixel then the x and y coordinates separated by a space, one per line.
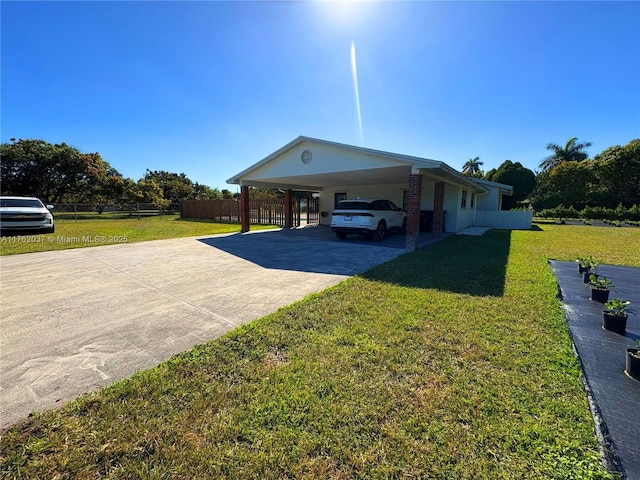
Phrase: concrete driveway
pixel 73 321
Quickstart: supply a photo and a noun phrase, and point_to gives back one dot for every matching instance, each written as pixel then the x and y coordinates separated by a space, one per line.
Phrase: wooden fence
pixel 218 210
pixel 261 212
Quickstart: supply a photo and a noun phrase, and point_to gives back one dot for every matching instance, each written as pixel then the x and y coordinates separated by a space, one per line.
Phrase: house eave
pixel 434 168
pixel 502 188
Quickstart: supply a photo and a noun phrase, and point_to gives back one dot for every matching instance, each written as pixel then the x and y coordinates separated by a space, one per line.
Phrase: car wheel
pixel 341 235
pixel 380 232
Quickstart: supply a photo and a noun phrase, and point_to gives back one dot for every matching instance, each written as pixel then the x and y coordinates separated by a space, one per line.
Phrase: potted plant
pixel 633 362
pixel 585 264
pixel 614 318
pixel 600 287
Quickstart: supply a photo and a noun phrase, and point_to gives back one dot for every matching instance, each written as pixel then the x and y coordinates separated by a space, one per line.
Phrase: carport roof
pixel 397 171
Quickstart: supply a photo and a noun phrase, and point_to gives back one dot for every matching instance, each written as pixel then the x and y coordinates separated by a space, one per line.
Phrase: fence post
pixel 138 210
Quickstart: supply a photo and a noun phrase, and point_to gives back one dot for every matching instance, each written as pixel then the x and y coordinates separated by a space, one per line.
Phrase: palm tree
pixel 472 167
pixel 571 152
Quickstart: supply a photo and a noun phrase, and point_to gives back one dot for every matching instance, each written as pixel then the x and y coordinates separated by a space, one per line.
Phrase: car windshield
pixel 20 202
pixel 353 205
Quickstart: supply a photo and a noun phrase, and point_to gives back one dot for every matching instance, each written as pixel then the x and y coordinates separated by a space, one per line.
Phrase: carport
pixel 335 169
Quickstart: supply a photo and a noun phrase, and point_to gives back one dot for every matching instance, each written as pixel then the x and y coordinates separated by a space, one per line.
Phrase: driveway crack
pixel 182 300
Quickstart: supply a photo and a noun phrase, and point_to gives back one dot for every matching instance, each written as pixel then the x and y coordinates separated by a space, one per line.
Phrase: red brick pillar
pixel 244 209
pixel 288 211
pixel 414 195
pixel 438 210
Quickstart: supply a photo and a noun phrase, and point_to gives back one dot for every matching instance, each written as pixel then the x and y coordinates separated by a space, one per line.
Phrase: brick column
pixel 288 211
pixel 438 210
pixel 244 209
pixel 414 195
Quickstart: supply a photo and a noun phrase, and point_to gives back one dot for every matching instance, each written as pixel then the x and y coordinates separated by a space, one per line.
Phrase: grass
pixel 452 362
pixel 107 231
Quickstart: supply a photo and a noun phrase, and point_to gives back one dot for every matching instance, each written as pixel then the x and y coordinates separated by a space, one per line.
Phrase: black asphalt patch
pixel 614 397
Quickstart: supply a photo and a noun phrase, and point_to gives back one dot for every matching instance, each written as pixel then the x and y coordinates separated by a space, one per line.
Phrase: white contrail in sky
pixel 354 72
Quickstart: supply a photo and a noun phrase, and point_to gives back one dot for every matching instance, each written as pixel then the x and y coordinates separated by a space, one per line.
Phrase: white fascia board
pixel 447 174
pixel 502 187
pixel 418 162
pixel 292 186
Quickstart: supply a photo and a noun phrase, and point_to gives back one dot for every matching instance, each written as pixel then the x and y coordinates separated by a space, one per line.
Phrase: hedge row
pixel 593 213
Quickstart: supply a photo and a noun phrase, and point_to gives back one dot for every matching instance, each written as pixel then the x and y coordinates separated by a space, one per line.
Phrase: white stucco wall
pixel 509 219
pixel 325 159
pixel 458 218
pixel 489 201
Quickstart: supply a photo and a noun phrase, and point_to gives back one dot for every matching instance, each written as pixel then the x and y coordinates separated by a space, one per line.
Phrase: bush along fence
pixel 115 211
pixel 617 215
pixel 261 211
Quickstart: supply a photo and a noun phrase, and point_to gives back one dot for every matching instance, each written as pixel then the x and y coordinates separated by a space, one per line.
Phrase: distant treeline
pixel 60 173
pixel 569 177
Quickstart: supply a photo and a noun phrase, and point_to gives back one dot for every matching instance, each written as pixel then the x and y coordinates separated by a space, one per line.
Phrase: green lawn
pixel 451 362
pixel 107 231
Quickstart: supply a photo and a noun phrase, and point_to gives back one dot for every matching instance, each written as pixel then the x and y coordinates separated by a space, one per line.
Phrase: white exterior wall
pixel 465 218
pixel 428 191
pixel 489 201
pixel 325 159
pixel 507 219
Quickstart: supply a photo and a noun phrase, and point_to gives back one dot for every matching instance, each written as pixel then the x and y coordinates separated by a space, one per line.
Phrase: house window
pixel 473 200
pixel 463 204
pixel 338 197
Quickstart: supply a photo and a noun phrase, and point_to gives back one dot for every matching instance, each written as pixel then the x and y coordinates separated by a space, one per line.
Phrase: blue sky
pixel 209 88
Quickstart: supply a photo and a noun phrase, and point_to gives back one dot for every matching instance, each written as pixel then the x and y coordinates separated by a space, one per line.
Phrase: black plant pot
pixel 586 277
pixel 633 364
pixel 614 323
pixel 582 269
pixel 598 295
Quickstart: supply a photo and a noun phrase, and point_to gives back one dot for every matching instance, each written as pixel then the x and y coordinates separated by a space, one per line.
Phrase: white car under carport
pixel 373 217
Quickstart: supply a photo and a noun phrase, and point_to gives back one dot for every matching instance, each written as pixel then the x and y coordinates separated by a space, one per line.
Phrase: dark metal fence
pixel 115 211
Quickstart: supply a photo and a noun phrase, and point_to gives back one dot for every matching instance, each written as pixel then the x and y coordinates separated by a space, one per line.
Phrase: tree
pixel 571 152
pixel 471 168
pixel 145 191
pixel 567 184
pixel 522 179
pixel 617 176
pixel 228 194
pixel 203 192
pixel 51 172
pixel 175 187
pixel 265 193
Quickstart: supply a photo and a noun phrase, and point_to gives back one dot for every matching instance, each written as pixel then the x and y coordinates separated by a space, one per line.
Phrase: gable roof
pixel 435 168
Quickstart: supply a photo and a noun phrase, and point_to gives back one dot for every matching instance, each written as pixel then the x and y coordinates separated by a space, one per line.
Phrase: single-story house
pixel 423 187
